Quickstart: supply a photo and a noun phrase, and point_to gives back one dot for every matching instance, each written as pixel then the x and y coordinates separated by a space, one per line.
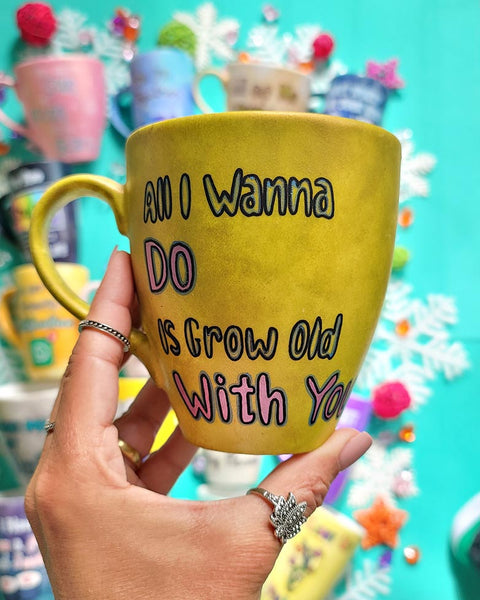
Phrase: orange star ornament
pixel 382 523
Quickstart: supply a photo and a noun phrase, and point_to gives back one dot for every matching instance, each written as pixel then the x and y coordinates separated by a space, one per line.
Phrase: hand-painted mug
pixel 35 323
pixel 64 99
pixel 357 97
pixel 27 183
pixel 161 88
pixel 251 86
pixel 22 571
pixel 24 407
pixel 261 249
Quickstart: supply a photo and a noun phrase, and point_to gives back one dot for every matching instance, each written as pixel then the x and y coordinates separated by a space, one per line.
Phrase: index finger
pixel 89 391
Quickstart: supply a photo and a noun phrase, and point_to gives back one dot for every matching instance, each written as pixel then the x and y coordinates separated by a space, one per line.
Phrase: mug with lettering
pixel 161 88
pixel 22 571
pixel 64 101
pixel 37 325
pixel 261 249
pixel 27 183
pixel 357 97
pixel 228 475
pixel 251 86
pixel 24 407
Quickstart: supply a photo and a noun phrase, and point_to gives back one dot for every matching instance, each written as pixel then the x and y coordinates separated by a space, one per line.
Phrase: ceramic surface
pixel 35 323
pixel 258 87
pixel 64 100
pixel 261 248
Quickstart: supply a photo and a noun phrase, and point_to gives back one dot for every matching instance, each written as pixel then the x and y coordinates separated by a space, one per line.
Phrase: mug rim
pixel 339 122
pixel 161 50
pixel 271 66
pixel 53 58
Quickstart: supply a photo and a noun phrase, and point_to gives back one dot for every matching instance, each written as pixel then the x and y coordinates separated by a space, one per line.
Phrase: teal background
pixel 438 44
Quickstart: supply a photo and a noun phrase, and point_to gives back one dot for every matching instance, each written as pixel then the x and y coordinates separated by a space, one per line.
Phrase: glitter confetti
pixel 405 218
pixel 407 434
pixel 411 554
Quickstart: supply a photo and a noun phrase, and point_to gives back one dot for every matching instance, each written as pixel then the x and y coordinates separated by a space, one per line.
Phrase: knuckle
pixel 42 496
pixel 315 490
pixel 29 502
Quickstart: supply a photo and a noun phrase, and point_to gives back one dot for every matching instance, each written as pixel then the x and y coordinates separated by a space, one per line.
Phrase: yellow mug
pixel 35 323
pixel 261 247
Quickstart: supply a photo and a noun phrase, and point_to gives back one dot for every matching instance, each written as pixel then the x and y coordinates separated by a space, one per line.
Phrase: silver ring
pixel 106 329
pixel 287 517
pixel 49 426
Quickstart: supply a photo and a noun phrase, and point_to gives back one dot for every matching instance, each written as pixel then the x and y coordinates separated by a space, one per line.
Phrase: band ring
pixel 106 329
pixel 49 426
pixel 287 517
pixel 131 453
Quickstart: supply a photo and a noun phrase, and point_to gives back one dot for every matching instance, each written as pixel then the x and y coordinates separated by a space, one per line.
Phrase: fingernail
pixel 113 255
pixel 354 449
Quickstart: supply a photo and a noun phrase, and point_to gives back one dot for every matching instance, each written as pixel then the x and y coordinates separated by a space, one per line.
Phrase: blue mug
pixel 160 89
pixel 356 97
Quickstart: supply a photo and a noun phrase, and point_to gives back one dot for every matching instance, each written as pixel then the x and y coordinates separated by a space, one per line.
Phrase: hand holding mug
pixel 261 249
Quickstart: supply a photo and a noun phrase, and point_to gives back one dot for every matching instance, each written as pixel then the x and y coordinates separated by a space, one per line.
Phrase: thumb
pixel 309 476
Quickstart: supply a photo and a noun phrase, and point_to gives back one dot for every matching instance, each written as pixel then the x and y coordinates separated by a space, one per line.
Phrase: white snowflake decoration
pixel 215 37
pixel 70 33
pixel 266 46
pixel 367 583
pixel 416 356
pixel 322 77
pixel 378 473
pixel 414 168
pixel 300 45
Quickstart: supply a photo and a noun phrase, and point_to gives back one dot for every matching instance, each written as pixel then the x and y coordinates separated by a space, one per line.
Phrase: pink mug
pixel 64 100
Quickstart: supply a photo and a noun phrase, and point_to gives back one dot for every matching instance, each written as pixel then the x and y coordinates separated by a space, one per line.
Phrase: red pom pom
pixel 323 46
pixel 390 399
pixel 36 22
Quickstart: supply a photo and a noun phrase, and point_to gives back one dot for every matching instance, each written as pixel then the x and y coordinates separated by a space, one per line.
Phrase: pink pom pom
pixel 390 400
pixel 36 23
pixel 323 46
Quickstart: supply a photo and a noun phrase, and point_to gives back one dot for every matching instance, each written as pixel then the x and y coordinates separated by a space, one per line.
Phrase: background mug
pixel 161 88
pixel 357 97
pixel 22 572
pixel 35 323
pixel 24 407
pixel 27 183
pixel 64 100
pixel 227 475
pixel 251 86
pixel 261 249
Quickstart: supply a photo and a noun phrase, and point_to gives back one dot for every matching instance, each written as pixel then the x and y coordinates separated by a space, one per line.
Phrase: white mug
pixel 24 408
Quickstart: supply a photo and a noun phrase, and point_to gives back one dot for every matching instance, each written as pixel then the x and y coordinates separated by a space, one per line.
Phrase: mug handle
pixel 7 326
pixel 8 81
pixel 56 197
pixel 116 118
pixel 197 95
